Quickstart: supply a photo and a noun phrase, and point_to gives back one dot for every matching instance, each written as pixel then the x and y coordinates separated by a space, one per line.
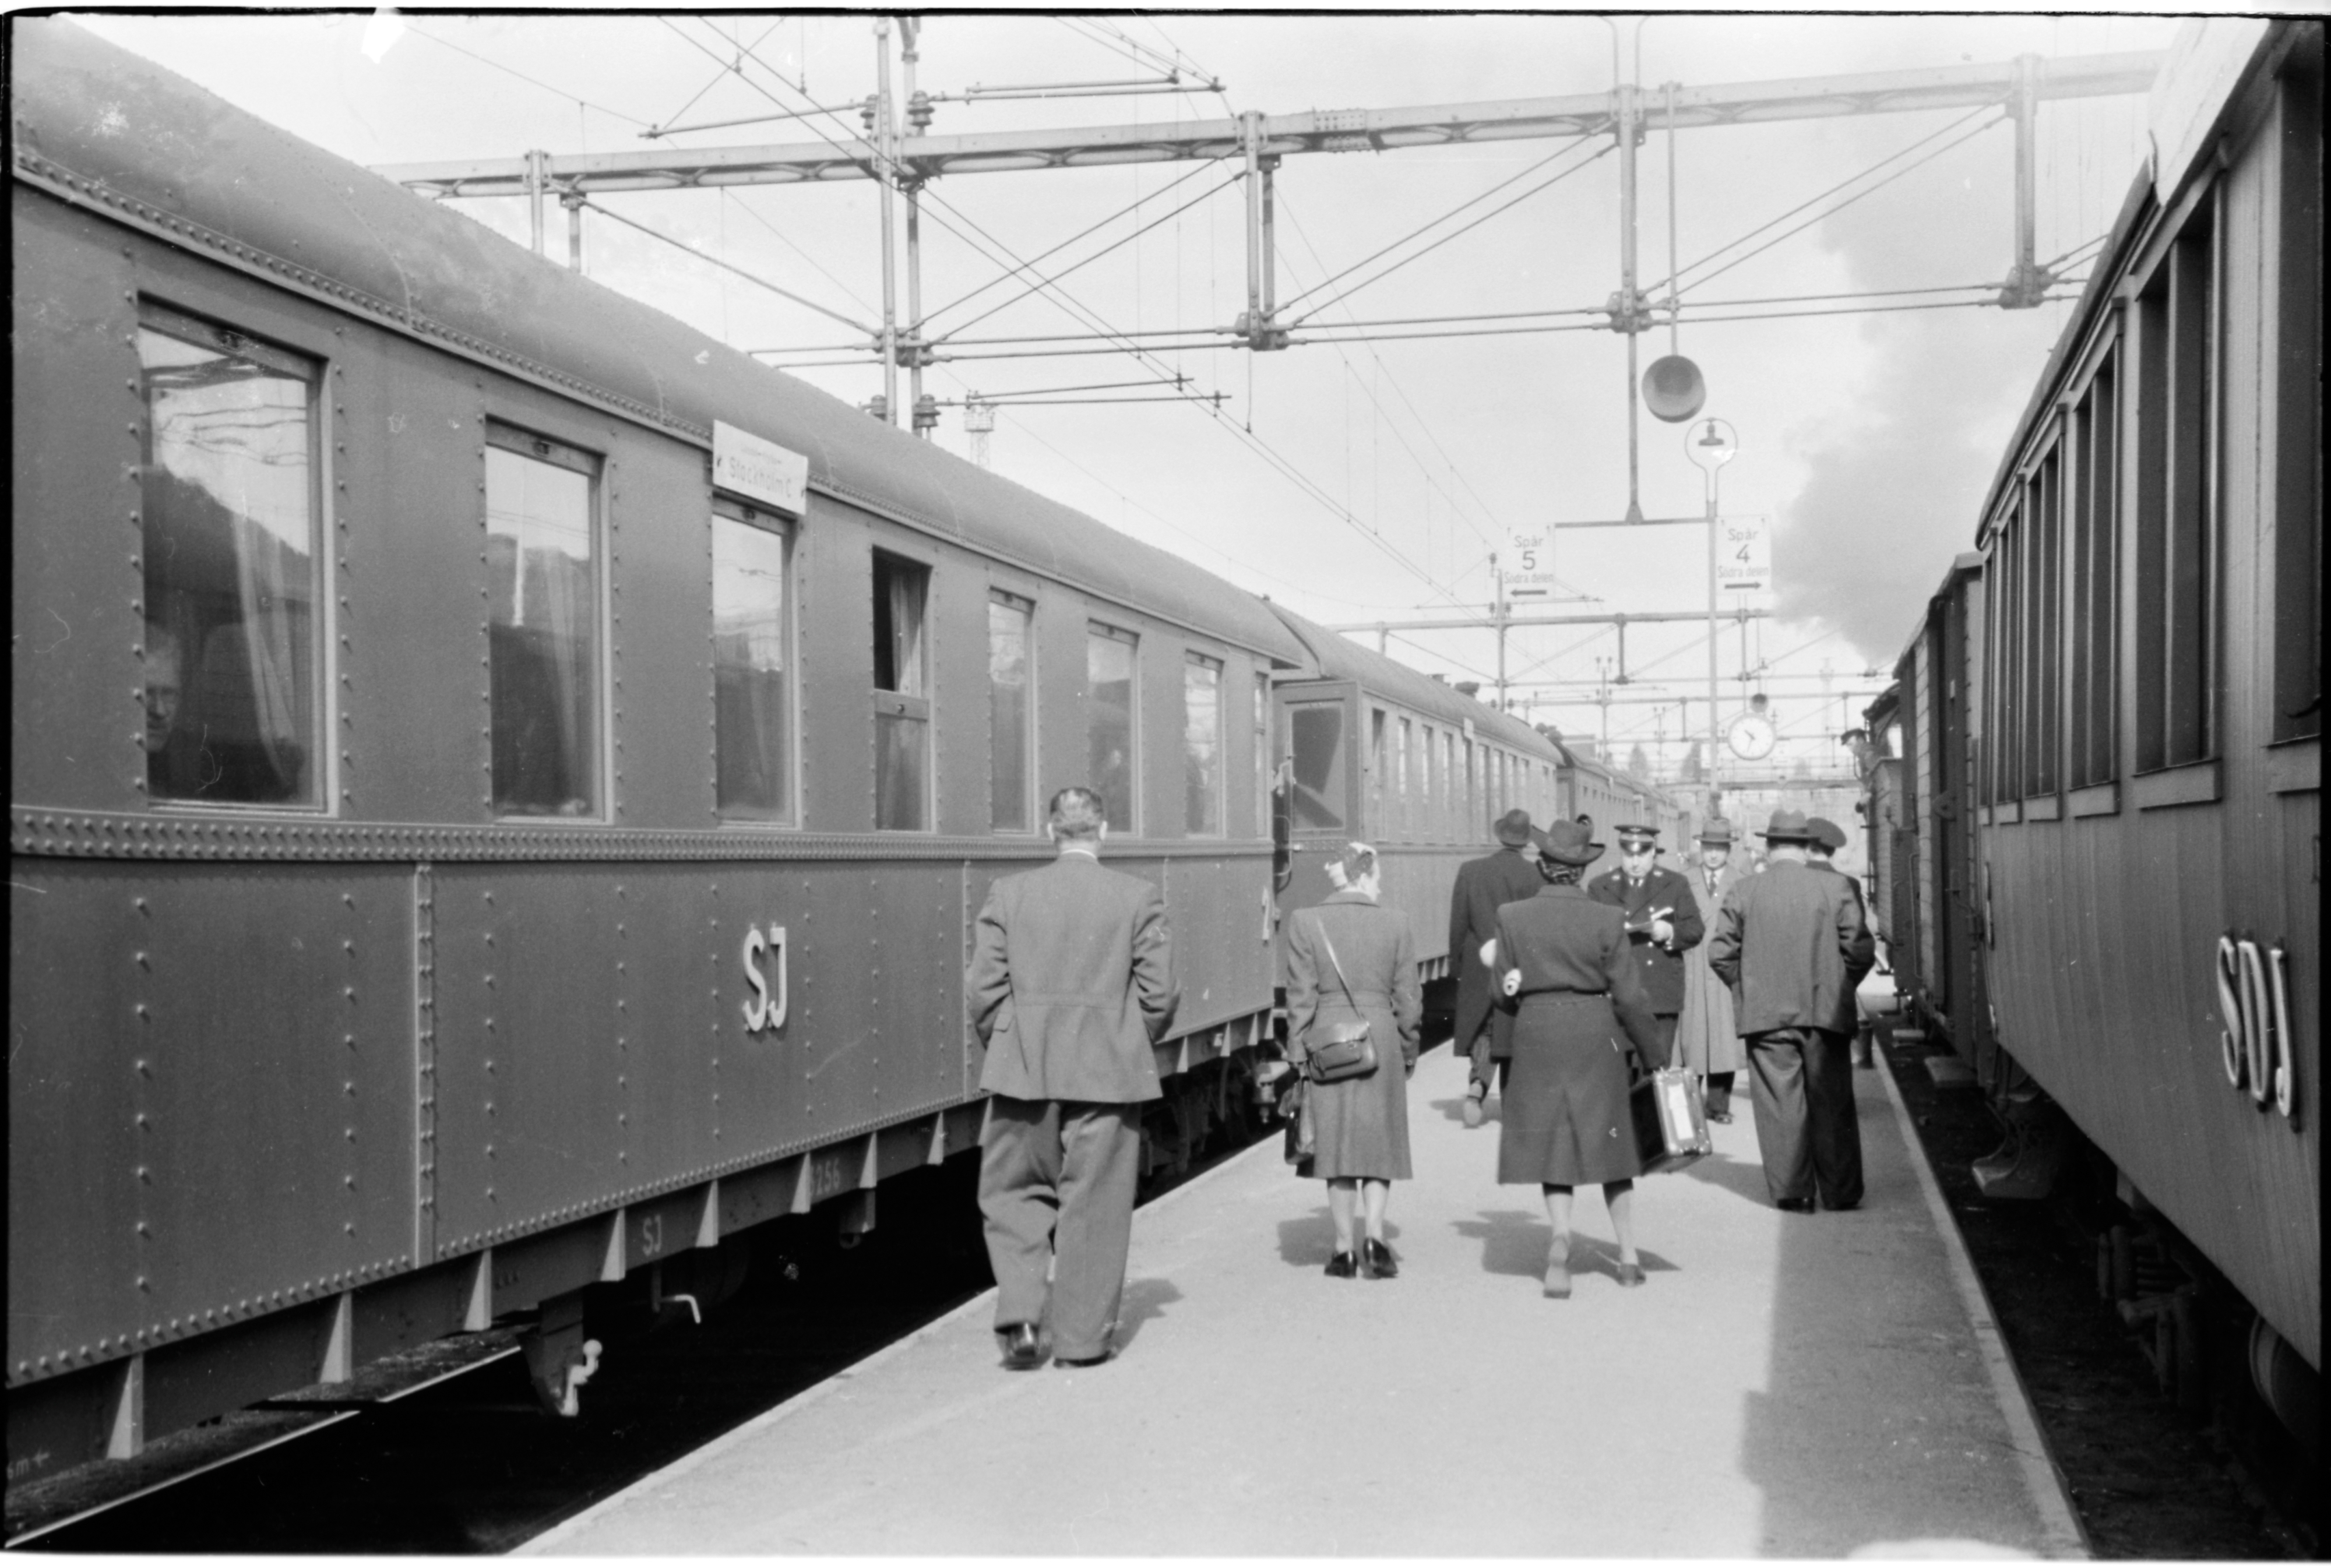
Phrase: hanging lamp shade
pixel 1673 389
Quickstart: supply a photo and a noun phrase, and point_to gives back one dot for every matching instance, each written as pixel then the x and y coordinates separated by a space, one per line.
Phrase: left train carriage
pixel 501 781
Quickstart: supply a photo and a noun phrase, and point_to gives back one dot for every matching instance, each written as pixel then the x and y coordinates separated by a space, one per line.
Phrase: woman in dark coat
pixel 1362 1122
pixel 1564 963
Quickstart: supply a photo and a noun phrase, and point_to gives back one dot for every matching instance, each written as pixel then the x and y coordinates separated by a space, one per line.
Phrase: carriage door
pixel 1318 748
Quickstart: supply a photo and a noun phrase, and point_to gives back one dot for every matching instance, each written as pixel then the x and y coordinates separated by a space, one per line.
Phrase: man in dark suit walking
pixel 1821 854
pixel 1662 923
pixel 1483 1030
pixel 1791 942
pixel 1070 984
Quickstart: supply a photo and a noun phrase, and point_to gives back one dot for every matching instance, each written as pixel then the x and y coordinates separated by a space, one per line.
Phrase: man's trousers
pixel 1806 1126
pixel 1056 1183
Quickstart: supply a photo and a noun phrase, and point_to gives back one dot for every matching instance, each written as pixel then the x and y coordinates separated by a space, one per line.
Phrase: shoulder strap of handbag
pixel 1322 922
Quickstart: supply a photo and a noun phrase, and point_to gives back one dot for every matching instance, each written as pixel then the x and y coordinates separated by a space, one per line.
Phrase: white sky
pixel 1868 439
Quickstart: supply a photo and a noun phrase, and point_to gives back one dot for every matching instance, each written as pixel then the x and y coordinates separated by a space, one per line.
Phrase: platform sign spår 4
pixel 1743 556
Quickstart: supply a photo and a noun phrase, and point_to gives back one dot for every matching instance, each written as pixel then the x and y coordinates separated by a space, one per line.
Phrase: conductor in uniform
pixel 1662 923
pixel 1791 942
pixel 1484 1030
pixel 1070 985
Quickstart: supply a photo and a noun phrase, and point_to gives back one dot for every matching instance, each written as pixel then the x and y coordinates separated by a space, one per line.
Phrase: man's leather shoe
pixel 1474 1113
pixel 1794 1205
pixel 1381 1264
pixel 1343 1266
pixel 1724 1116
pixel 1022 1353
pixel 1080 1361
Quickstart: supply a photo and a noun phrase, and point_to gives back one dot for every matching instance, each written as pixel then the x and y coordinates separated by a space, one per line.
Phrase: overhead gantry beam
pixel 926 157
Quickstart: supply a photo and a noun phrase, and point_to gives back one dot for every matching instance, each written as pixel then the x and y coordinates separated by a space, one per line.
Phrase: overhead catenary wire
pixel 703 255
pixel 938 210
pixel 532 81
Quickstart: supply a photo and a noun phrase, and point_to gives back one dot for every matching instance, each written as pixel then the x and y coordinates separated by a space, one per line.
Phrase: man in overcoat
pixel 1071 984
pixel 1821 854
pixel 1662 923
pixel 1484 1030
pixel 1705 1035
pixel 1791 942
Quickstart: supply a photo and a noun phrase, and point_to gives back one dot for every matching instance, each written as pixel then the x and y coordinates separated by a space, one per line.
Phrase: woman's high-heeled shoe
pixel 1630 1274
pixel 1343 1266
pixel 1382 1265
pixel 1557 1267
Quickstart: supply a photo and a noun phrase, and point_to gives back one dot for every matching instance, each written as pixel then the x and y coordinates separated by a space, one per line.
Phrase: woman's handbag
pixel 1346 1051
pixel 1302 1130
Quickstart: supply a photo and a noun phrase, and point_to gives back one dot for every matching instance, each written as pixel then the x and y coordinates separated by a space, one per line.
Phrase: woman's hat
pixel 1513 829
pixel 1567 844
pixel 1717 830
pixel 1787 828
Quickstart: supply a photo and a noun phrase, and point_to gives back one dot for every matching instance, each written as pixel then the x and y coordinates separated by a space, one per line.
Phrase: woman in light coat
pixel 1362 1122
pixel 1705 1037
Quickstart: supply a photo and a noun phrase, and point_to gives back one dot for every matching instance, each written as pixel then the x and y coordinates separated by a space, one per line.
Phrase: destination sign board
pixel 762 471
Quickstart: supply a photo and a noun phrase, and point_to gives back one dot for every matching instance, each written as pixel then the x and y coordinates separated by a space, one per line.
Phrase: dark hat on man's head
pixel 1513 829
pixel 1716 830
pixel 1567 844
pixel 1787 828
pixel 1825 833
pixel 1637 832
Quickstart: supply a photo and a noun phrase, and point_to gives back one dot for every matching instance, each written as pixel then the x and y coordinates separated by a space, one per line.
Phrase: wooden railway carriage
pixel 2146 745
pixel 473 835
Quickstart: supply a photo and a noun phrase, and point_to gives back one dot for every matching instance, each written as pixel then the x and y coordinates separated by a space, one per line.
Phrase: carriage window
pixel 2043 609
pixel 1379 765
pixel 1202 744
pixel 1403 780
pixel 1472 823
pixel 751 663
pixel 1451 806
pixel 902 694
pixel 2176 522
pixel 543 636
pixel 1315 738
pixel 229 520
pixel 2299 432
pixel 1111 721
pixel 1428 814
pixel 2092 434
pixel 1011 713
pixel 1261 755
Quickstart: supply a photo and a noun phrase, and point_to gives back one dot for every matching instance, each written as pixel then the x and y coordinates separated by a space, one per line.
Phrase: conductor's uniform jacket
pixel 1660 964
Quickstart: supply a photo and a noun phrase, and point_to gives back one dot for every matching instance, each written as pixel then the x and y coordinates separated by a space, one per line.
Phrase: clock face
pixel 1750 737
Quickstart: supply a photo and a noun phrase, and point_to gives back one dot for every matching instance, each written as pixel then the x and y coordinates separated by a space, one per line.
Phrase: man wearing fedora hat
pixel 1662 923
pixel 1709 1044
pixel 1483 1031
pixel 1792 944
pixel 1821 854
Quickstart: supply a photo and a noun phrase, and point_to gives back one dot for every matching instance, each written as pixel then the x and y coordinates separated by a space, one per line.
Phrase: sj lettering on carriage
pixel 762 951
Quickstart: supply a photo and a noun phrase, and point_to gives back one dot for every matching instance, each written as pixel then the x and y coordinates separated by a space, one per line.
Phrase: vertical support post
pixel 1715 741
pixel 2026 109
pixel 883 171
pixel 1250 133
pixel 1630 313
pixel 1670 90
pixel 907 28
pixel 572 202
pixel 1269 167
pixel 1498 616
pixel 537 181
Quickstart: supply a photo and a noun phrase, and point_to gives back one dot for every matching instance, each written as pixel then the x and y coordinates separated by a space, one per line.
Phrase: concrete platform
pixel 1783 1386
